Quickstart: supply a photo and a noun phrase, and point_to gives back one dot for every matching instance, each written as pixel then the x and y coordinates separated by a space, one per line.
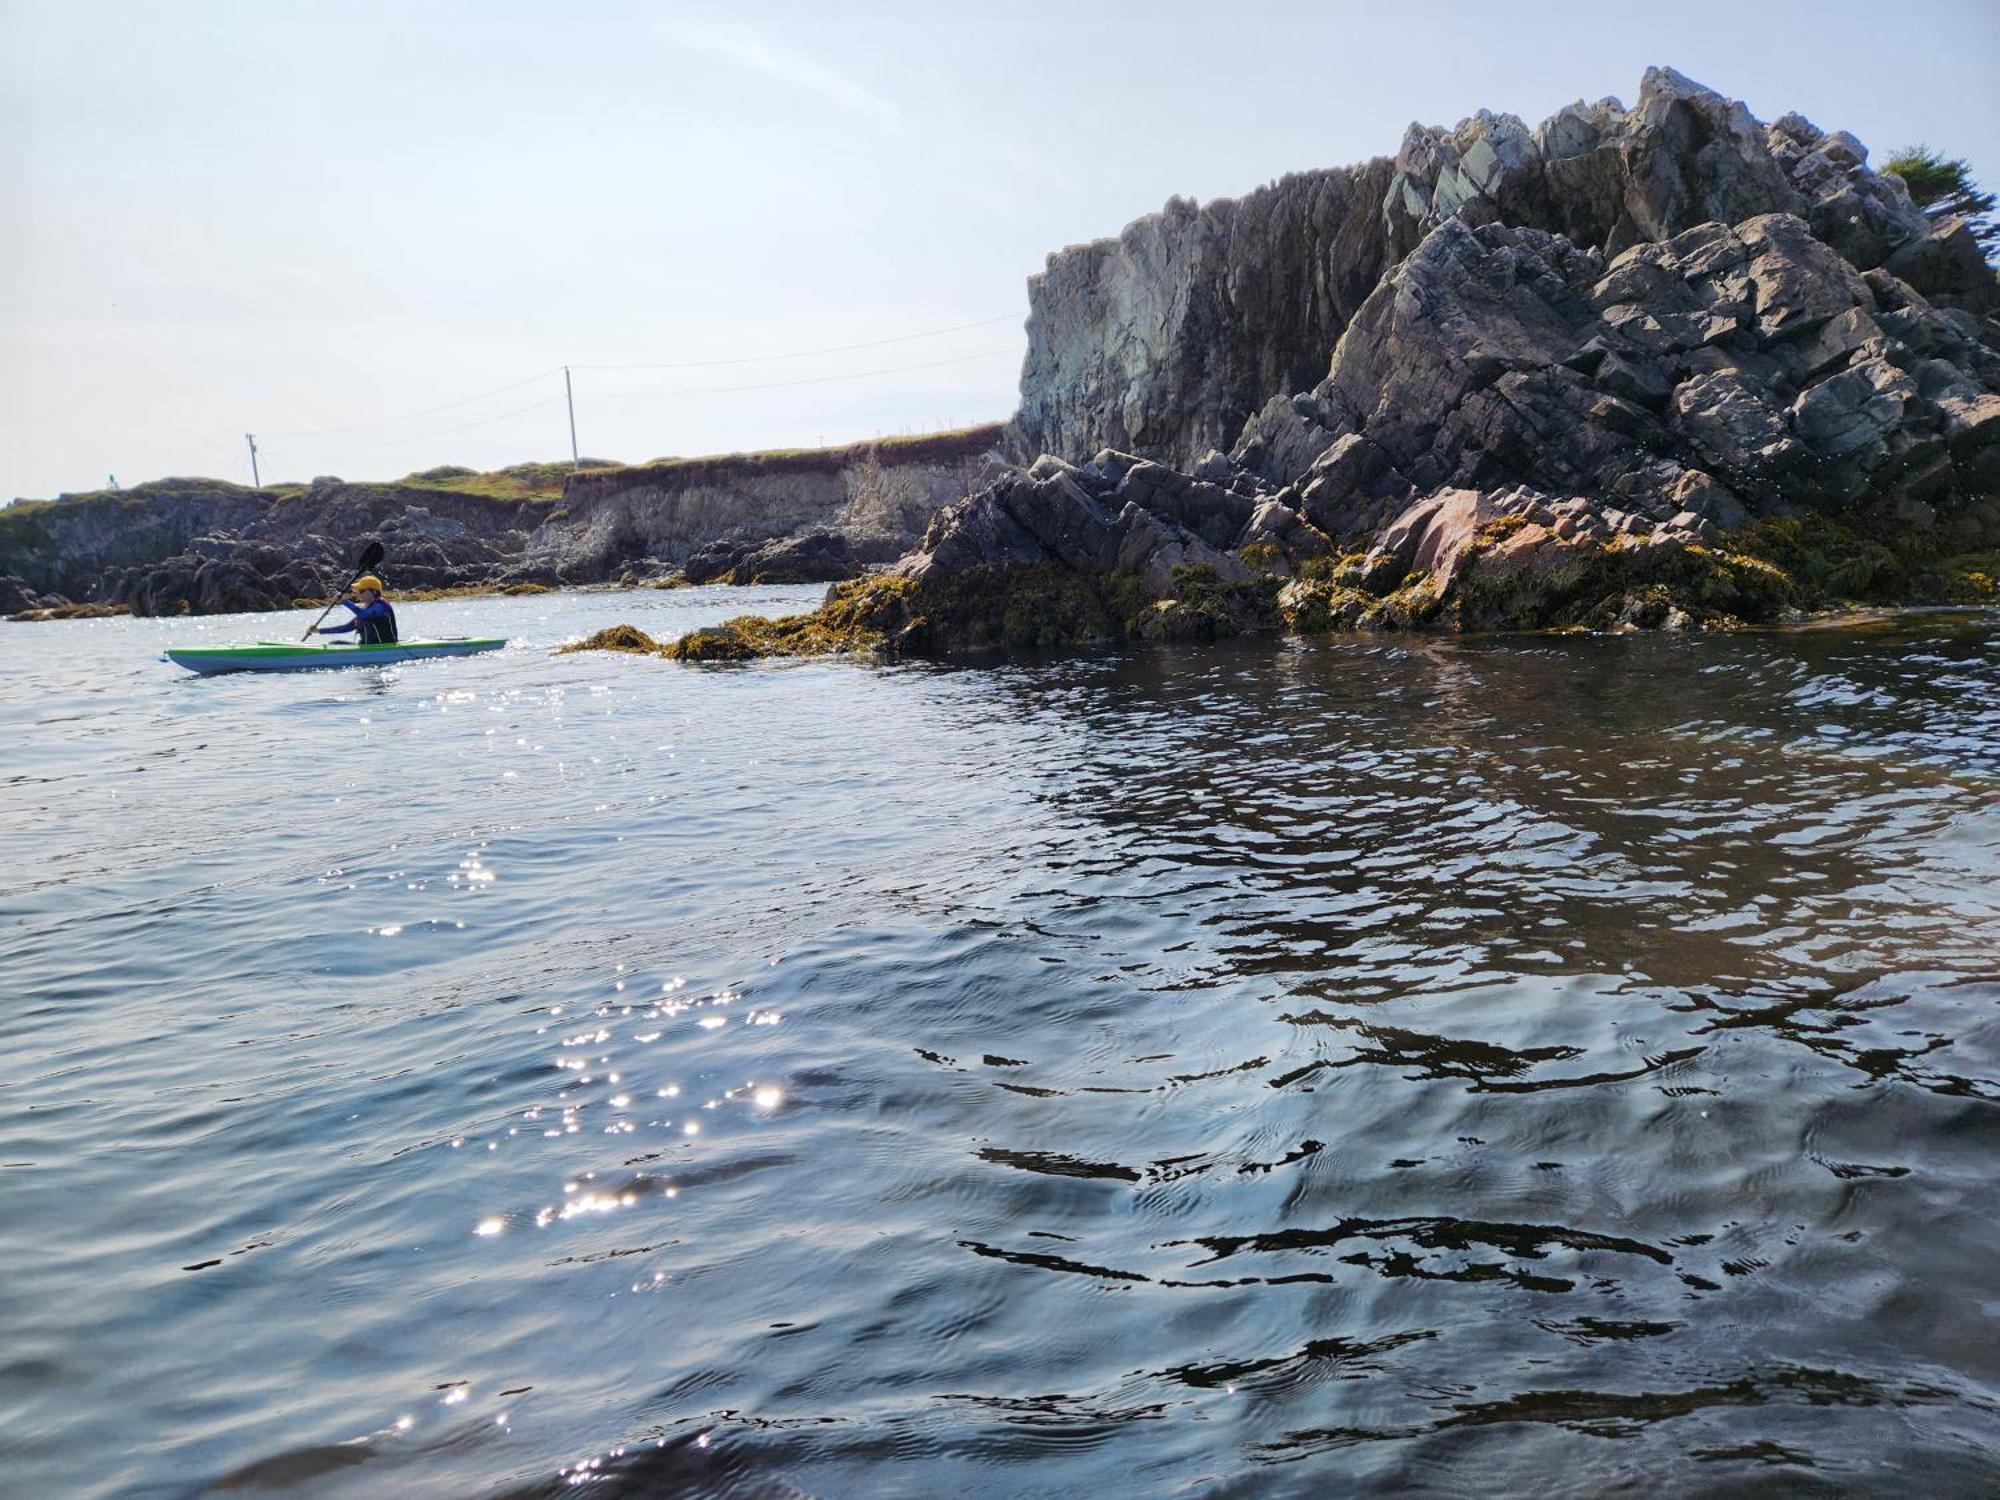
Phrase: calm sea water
pixel 1459 1067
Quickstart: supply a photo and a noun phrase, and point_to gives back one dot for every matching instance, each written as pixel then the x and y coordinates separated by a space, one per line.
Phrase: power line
pixel 759 359
pixel 428 411
pixel 698 364
pixel 773 385
pixel 447 432
pixel 311 432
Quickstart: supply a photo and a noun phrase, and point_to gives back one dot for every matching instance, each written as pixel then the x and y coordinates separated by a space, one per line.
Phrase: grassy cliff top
pixel 544 482
pixel 530 481
pixel 955 446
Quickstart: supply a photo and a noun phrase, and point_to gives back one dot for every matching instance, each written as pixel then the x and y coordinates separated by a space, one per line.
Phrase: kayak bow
pixel 290 656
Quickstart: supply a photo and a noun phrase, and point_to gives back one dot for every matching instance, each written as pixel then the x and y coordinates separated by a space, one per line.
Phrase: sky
pixel 373 234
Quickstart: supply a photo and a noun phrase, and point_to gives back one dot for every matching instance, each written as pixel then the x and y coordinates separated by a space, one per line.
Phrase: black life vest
pixel 378 631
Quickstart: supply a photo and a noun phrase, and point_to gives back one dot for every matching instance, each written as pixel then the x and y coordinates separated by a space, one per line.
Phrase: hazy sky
pixel 276 217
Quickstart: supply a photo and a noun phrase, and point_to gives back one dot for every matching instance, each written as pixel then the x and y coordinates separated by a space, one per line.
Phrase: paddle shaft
pixel 369 558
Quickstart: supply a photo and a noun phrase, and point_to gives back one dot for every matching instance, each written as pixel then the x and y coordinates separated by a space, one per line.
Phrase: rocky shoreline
pixel 1665 367
pixel 1659 367
pixel 190 546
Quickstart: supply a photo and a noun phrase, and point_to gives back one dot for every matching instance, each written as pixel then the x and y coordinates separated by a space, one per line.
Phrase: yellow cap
pixel 367 581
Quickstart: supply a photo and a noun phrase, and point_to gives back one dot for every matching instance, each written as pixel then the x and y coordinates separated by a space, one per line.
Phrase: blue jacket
pixel 376 623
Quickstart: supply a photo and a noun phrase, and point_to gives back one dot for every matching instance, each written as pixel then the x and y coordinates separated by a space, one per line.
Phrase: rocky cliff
pixel 1658 366
pixel 204 546
pixel 1163 341
pixel 200 546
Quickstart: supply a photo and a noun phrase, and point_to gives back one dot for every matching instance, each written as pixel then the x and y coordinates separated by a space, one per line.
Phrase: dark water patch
pixel 1056 1165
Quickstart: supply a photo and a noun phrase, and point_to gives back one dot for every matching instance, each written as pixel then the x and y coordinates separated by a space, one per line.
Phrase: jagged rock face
pixel 1117 515
pixel 811 557
pixel 1163 341
pixel 1515 431
pixel 1600 175
pixel 1722 369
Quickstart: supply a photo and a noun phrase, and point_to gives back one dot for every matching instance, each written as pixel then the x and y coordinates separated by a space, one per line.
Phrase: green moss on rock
pixel 1312 606
pixel 1591 585
pixel 1207 607
pixel 1262 557
pixel 1506 579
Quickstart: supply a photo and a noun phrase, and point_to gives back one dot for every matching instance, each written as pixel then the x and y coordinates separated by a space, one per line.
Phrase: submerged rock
pixel 713 643
pixel 69 612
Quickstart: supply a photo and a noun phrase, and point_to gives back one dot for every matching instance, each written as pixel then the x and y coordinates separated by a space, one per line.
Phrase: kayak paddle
pixel 370 555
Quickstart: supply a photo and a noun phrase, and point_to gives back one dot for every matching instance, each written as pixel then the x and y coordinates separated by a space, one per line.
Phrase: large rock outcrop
pixel 1519 431
pixel 1665 366
pixel 1165 340
pixel 1723 372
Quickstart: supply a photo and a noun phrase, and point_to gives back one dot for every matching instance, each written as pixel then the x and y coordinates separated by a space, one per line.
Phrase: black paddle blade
pixel 370 555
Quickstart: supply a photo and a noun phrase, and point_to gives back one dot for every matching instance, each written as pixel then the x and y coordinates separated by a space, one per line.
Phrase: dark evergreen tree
pixel 1944 188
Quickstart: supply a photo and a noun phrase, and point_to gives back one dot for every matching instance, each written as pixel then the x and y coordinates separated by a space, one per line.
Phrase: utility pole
pixel 570 392
pixel 251 439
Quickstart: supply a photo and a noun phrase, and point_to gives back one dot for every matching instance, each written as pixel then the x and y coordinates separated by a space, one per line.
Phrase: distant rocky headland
pixel 202 546
pixel 1665 366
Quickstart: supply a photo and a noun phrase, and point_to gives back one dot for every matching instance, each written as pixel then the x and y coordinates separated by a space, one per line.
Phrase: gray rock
pixel 1070 521
pixel 810 557
pixel 1850 415
pixel 1163 340
pixel 1496 356
pixel 1732 428
pixel 16 596
pixel 1198 327
pixel 1288 534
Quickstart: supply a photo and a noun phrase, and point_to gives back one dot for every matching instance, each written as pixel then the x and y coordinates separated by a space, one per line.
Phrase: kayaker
pixel 373 618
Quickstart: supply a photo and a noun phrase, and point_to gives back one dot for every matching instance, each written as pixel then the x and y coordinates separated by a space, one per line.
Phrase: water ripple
pixel 1378 1066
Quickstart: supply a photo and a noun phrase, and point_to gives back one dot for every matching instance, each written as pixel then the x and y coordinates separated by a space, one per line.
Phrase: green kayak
pixel 293 656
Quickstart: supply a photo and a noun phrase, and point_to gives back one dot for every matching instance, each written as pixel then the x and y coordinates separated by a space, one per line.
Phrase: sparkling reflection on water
pixel 1452 1066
